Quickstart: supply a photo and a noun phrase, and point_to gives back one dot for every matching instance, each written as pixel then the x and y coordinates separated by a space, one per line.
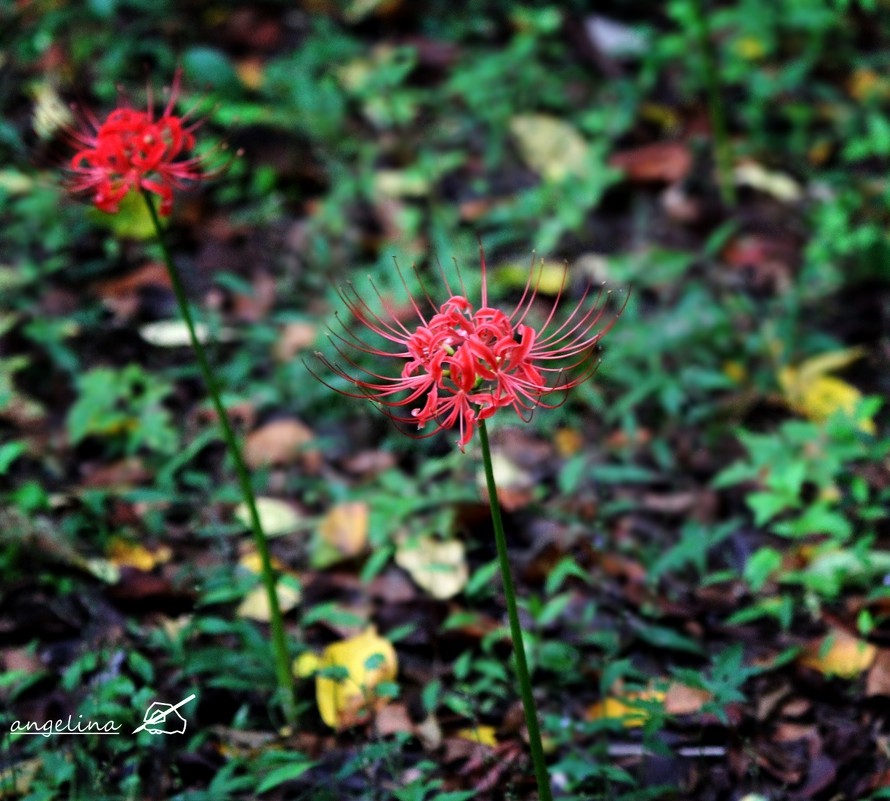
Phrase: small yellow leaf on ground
pixel 51 113
pixel 568 441
pixel 781 186
pixel 839 654
pixel 810 391
pixel 306 664
pixel 630 709
pixel 368 660
pixel 438 566
pixel 255 605
pixel 277 443
pixel 550 146
pixel 484 735
pixel 276 517
pixel 251 561
pixel 342 533
pixel 132 554
pixel 250 72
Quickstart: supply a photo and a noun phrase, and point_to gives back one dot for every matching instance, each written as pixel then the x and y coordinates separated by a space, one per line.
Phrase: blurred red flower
pixel 133 151
pixel 461 364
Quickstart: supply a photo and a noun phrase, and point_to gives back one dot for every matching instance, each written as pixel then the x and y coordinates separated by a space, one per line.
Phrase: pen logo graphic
pixel 161 718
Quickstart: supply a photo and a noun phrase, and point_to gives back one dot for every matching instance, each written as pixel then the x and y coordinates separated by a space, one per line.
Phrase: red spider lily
pixel 132 151
pixel 462 364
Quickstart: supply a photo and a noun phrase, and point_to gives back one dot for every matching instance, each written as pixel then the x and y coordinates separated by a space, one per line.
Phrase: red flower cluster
pixel 133 151
pixel 463 364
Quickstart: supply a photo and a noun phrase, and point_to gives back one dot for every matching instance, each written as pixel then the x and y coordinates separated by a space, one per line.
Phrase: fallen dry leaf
pixel 781 186
pixel 276 517
pixel 368 660
pixel 393 719
pixel 255 605
pixel 342 533
pixel 683 700
pixel 438 566
pixel 839 654
pixel 515 486
pixel 878 681
pixel 630 708
pixel 660 161
pixel 483 735
pixel 810 390
pixel 124 295
pixel 568 442
pixel 119 475
pixel 280 442
pixel 131 554
pixel 294 338
pixel 550 146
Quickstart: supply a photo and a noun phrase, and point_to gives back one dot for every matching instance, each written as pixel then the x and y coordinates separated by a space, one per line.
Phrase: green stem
pixel 279 644
pixel 716 108
pixel 525 683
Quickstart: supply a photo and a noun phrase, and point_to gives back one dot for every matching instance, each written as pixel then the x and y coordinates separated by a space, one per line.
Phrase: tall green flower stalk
pixel 136 151
pixel 459 366
pixel 276 622
pixel 520 663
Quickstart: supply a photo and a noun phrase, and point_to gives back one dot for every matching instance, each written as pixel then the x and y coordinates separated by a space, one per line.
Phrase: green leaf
pixel 284 774
pixel 762 564
pixel 662 637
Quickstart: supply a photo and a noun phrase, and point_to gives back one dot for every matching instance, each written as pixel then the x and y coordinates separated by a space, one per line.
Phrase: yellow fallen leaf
pixel 51 114
pixel 568 441
pixel 401 183
pixel 342 533
pixel 306 665
pixel 250 72
pixel 438 566
pixel 810 391
pixel 132 554
pixel 839 654
pixel 255 605
pixel 276 517
pixel 368 660
pixel 252 562
pixel 484 735
pixel 550 146
pixel 781 186
pixel 626 708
